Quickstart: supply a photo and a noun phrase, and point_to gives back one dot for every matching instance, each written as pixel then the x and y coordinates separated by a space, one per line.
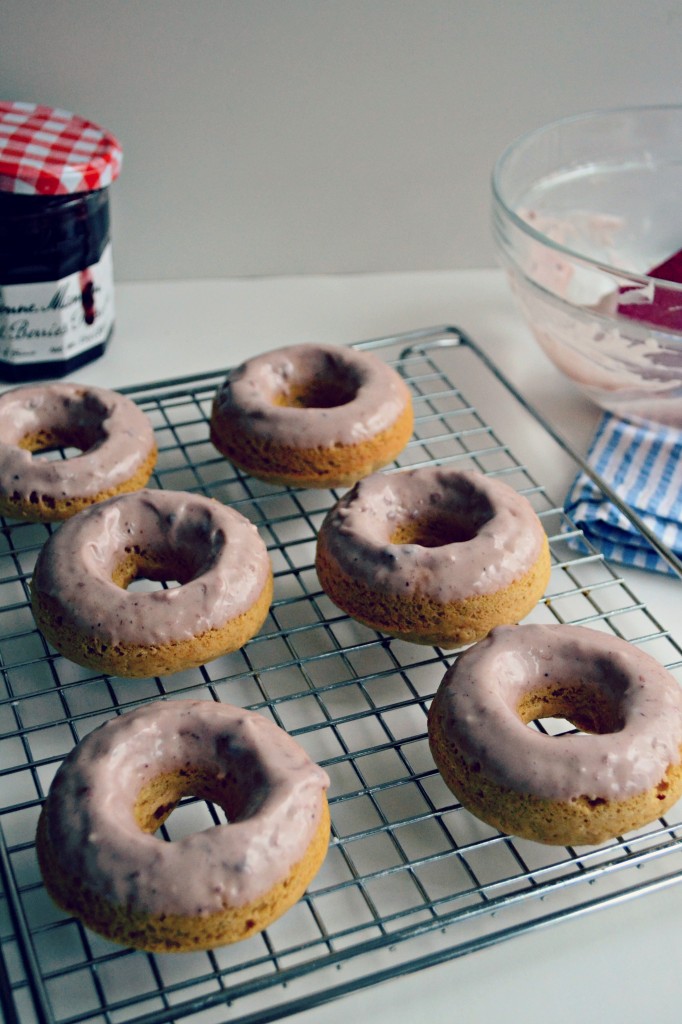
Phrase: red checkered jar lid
pixel 44 151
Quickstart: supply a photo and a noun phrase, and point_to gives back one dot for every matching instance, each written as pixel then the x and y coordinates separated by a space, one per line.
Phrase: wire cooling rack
pixel 411 878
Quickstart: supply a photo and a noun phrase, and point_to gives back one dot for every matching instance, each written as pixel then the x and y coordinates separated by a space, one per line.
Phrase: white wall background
pixel 315 136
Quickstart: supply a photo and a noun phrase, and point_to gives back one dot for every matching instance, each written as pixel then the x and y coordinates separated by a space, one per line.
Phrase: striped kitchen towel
pixel 643 466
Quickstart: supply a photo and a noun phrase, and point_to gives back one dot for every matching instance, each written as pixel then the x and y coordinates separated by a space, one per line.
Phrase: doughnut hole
pixel 192 553
pixel 238 792
pixel 457 522
pixel 584 707
pixel 433 533
pixel 72 443
pixel 332 384
pixel 78 426
pixel 140 566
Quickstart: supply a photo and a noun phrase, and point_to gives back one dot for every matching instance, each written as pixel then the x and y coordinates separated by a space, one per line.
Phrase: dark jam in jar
pixel 56 272
pixel 58 242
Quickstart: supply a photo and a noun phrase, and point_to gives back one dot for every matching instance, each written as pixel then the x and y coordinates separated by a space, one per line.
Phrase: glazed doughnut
pixel 312 416
pixel 101 861
pixel 115 438
pixel 83 607
pixel 435 555
pixel 570 789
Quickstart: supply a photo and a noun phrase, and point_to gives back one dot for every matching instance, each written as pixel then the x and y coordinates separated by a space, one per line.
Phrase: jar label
pixel 57 320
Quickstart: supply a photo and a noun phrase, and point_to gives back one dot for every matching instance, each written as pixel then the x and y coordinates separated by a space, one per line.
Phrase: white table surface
pixel 621 963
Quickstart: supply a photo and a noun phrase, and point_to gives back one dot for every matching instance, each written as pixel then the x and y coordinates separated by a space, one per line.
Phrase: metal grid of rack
pixel 411 878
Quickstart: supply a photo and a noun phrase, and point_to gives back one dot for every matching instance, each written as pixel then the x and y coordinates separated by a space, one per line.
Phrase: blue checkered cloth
pixel 643 466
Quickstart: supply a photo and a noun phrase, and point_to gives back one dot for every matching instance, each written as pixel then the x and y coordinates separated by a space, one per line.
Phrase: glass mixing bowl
pixel 587 220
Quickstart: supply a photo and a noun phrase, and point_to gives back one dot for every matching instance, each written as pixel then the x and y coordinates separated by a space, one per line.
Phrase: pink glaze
pixel 221 562
pixel 476 710
pixel 504 537
pixel 373 395
pixel 616 342
pixel 120 439
pixel 94 835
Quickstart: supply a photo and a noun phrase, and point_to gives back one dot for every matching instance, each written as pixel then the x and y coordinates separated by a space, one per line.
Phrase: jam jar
pixel 56 272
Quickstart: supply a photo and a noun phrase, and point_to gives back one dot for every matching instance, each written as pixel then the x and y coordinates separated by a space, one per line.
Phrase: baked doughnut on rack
pixel 115 439
pixel 102 862
pixel 83 606
pixel 312 415
pixel 571 789
pixel 435 555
